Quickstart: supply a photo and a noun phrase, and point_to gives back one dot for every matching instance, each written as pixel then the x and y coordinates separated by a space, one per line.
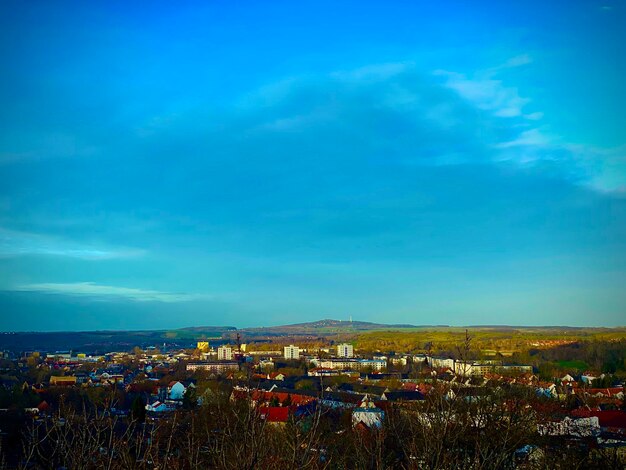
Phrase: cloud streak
pixel 103 292
pixel 16 243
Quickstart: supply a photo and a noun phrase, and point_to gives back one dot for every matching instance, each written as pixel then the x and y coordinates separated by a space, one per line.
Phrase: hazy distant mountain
pixel 102 341
pixel 328 326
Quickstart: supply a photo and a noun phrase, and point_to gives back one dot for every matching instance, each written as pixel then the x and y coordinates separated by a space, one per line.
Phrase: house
pixel 265 398
pixel 546 390
pixel 176 390
pixel 610 392
pixel 158 407
pixel 81 377
pixel 367 415
pixel 402 396
pixel 276 376
pixel 341 400
pixel 611 421
pixel 274 414
pixel 323 372
pixel 589 377
pixel 62 381
pixel 575 427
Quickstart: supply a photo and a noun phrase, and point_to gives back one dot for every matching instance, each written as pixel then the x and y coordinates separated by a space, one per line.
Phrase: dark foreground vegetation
pixel 497 430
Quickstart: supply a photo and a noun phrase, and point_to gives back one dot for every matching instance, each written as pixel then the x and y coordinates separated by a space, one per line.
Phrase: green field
pixel 573 365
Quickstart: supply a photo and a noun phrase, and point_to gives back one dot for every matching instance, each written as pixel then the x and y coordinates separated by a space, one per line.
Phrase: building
pixel 480 368
pixel 292 352
pixel 215 367
pixel 353 364
pixel 203 346
pixel 224 353
pixel 176 390
pixel 62 380
pixel 440 362
pixel 367 414
pixel 345 350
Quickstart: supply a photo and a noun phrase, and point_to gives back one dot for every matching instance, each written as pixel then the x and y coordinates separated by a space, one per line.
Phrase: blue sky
pixel 233 163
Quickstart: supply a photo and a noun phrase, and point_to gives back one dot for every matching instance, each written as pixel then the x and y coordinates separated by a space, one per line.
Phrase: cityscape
pixel 333 390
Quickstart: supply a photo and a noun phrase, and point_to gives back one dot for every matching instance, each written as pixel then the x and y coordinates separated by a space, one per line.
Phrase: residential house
pixel 402 396
pixel 176 390
pixel 159 407
pixel 274 414
pixel 62 381
pixel 367 414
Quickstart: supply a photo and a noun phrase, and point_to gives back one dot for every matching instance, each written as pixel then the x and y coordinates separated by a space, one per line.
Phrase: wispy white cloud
pixel 517 61
pixel 17 243
pixel 484 90
pixel 99 291
pixel 605 168
pixel 531 137
pixel 600 169
pixel 534 116
pixel 486 93
pixel 374 72
pixel 36 146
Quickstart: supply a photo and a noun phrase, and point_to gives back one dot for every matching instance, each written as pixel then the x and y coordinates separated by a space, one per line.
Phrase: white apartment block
pixel 481 368
pixel 215 367
pixel 353 364
pixel 292 352
pixel 224 353
pixel 440 362
pixel 345 350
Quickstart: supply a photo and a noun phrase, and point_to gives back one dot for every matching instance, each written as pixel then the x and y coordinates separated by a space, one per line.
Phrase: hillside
pixel 327 326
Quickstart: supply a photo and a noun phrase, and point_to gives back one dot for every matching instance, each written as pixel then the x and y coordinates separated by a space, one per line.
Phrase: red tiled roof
pixel 274 414
pixel 607 392
pixel 608 418
pixel 265 397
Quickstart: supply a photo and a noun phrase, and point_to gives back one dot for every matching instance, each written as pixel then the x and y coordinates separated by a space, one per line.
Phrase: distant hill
pixel 327 326
pixel 103 341
pixel 200 332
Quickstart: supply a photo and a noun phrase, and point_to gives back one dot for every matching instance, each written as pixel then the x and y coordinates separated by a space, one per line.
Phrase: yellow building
pixel 62 380
pixel 203 346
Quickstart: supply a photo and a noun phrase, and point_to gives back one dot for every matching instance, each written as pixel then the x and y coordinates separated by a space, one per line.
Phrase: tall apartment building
pixel 224 353
pixel 345 350
pixel 292 352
